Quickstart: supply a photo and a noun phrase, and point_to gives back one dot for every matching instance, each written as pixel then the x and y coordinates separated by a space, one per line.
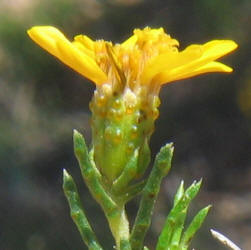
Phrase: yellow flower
pixel 149 57
pixel 128 77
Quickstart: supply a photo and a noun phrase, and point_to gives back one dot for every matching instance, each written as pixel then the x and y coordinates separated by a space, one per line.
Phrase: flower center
pixel 124 63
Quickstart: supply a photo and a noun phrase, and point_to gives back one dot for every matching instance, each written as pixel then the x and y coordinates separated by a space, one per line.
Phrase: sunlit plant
pixel 128 78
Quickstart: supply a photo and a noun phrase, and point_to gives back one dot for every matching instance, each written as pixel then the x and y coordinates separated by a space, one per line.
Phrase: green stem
pixel 120 229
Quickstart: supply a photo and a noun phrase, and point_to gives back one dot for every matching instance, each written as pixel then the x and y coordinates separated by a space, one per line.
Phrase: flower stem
pixel 120 229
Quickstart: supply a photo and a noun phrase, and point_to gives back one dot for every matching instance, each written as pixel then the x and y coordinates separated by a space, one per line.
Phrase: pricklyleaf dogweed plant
pixel 128 78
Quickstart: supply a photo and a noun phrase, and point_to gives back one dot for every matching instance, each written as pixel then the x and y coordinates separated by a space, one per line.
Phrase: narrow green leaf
pixel 179 193
pixel 127 174
pixel 125 244
pixel 133 191
pixel 164 158
pixel 175 219
pixel 78 214
pixel 160 169
pixel 177 230
pixel 192 191
pixel 91 159
pixel 144 159
pixel 91 178
pixel 174 231
pixel 194 226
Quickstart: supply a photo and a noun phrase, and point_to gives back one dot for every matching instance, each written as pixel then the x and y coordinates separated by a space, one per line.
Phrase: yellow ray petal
pixel 173 75
pixel 52 40
pixel 194 56
pixel 216 48
pixel 211 51
pixel 80 62
pixel 47 37
pixel 86 41
pixel 168 61
pixel 131 41
pixel 85 50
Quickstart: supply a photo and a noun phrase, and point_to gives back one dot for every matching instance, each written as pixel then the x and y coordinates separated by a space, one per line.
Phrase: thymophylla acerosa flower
pixel 128 77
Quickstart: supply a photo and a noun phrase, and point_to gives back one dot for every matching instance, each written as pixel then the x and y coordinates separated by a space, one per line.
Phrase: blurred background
pixel 41 101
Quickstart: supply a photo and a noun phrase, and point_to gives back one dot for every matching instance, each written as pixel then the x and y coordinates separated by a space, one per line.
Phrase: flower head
pixel 148 57
pixel 128 77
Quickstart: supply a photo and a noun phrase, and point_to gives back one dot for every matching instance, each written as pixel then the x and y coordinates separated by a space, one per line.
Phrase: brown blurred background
pixel 41 101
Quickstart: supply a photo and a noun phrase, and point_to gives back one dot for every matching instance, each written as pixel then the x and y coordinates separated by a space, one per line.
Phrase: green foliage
pixel 172 236
pixel 127 175
pixel 112 202
pixel 91 175
pixel 160 169
pixel 194 227
pixel 78 214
